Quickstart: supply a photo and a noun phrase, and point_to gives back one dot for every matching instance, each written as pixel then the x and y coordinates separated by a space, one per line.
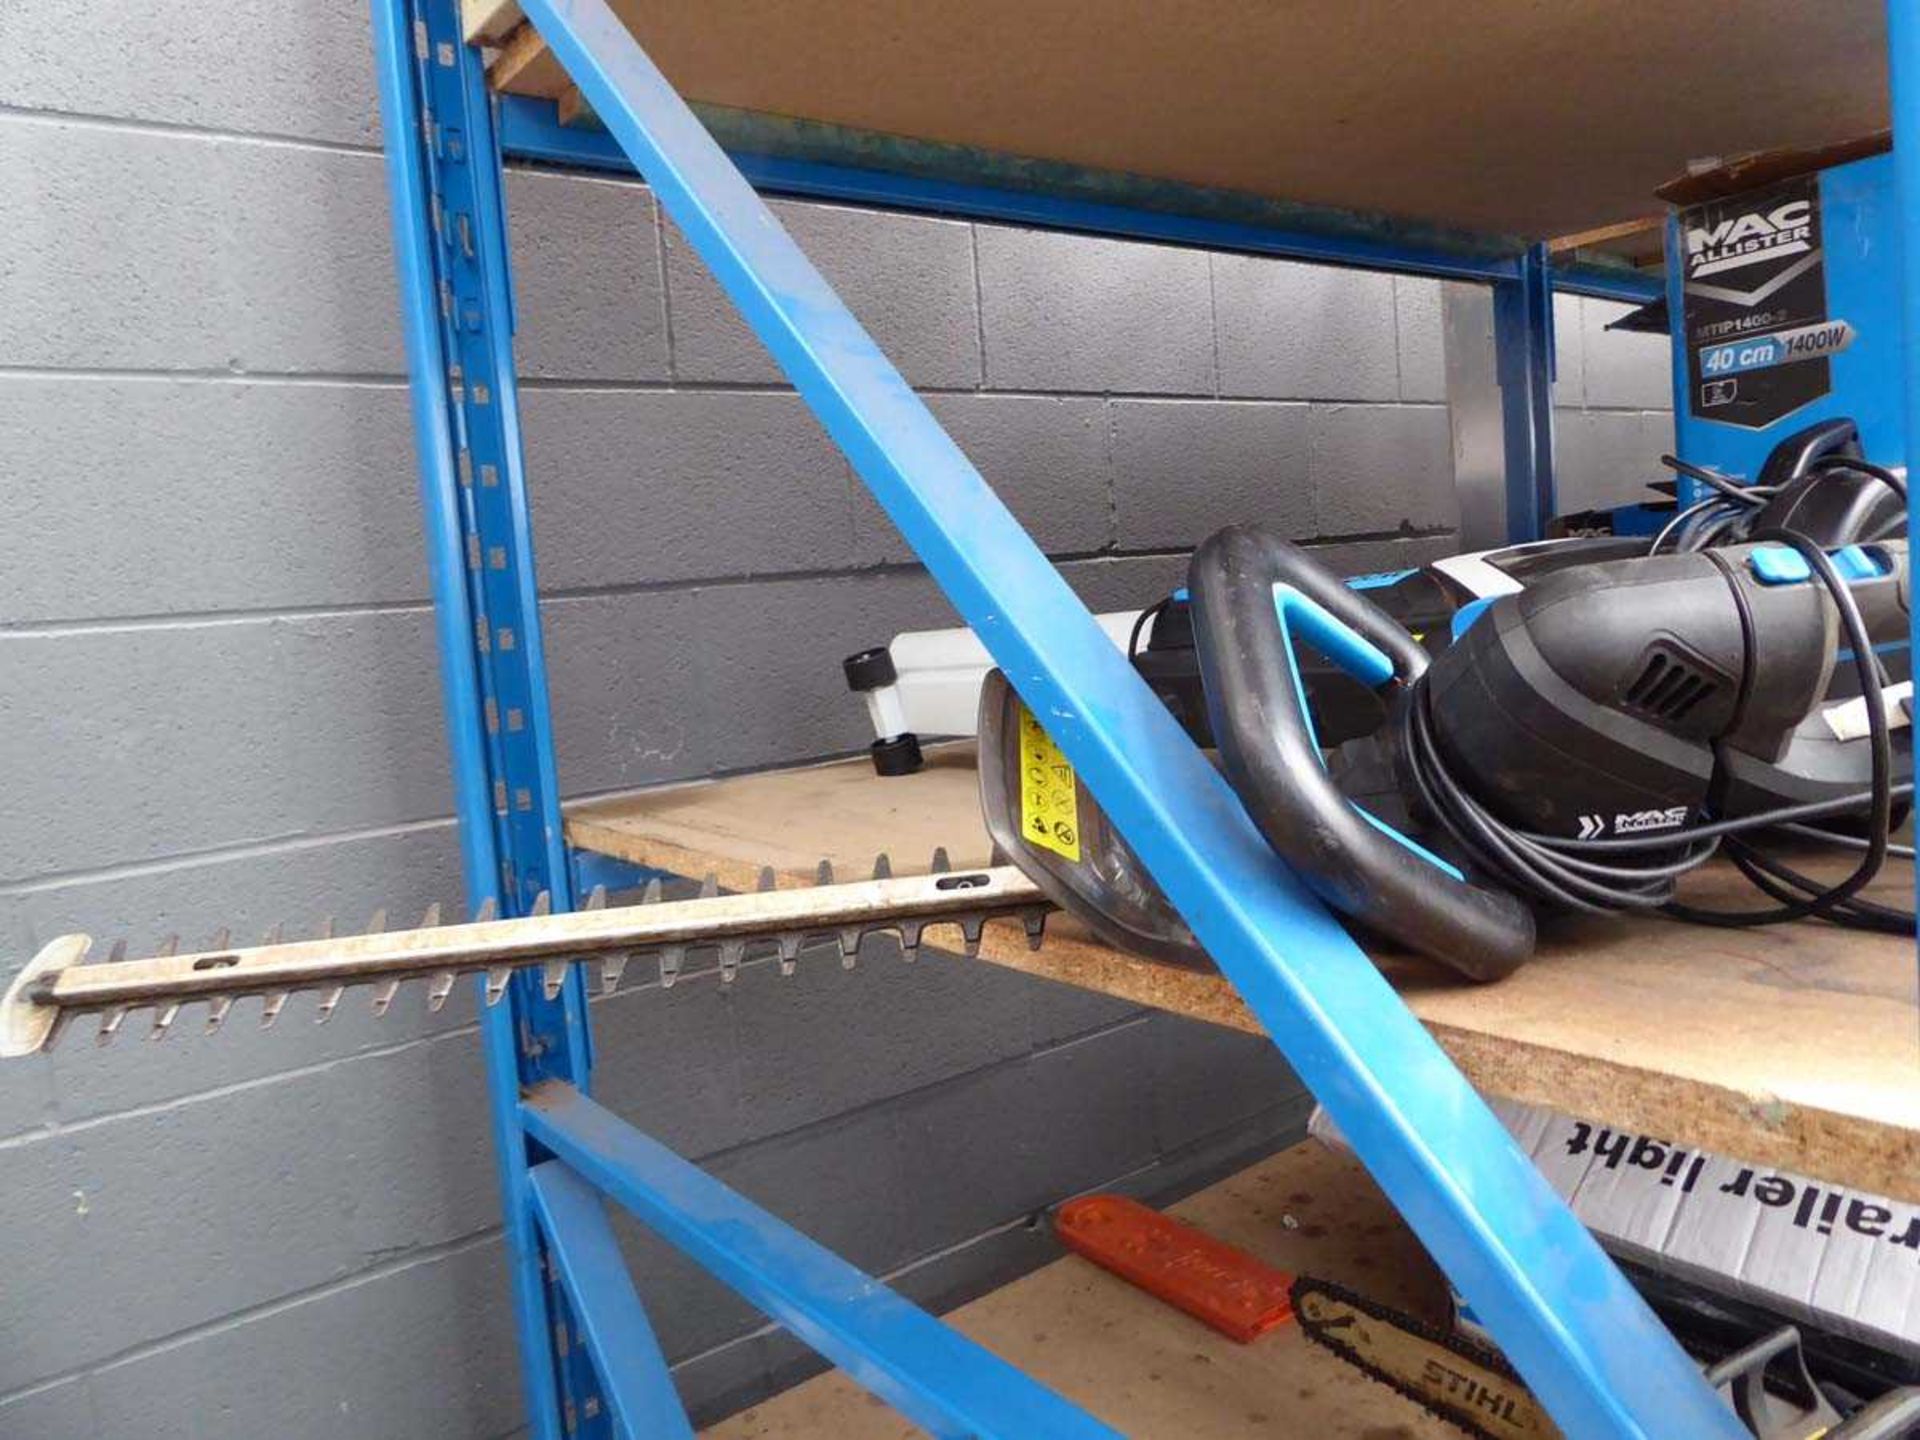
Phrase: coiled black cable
pixel 1641 873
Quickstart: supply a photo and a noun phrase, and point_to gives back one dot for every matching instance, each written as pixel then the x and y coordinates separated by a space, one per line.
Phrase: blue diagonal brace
pixel 929 1372
pixel 1576 1330
pixel 633 1372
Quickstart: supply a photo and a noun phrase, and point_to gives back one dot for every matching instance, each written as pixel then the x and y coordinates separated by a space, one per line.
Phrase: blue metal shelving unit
pixel 591 1365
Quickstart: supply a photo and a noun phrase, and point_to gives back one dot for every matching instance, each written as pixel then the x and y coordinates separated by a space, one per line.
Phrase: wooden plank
pixel 1145 1368
pixel 1642 239
pixel 525 66
pixel 572 107
pixel 488 22
pixel 1515 118
pixel 1795 1046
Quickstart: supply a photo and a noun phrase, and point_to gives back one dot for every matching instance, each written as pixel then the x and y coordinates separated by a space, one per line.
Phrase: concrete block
pixel 425 1350
pixel 628 692
pixel 27 1101
pixel 1058 1013
pixel 779 647
pixel 142 743
pixel 665 1059
pixel 58 1412
pixel 829 1040
pixel 156 497
pixel 953 1277
pixel 145 251
pixel 587 290
pixel 1656 435
pixel 1121 582
pixel 1182 469
pixel 663 685
pixel 1063 312
pixel 1601 459
pixel 972 1154
pixel 1220 1154
pixel 1098 1104
pixel 1206 1078
pixel 1045 457
pixel 907 278
pixel 690 1311
pixel 1625 370
pixel 1379 468
pixel 633 487
pixel 216 67
pixel 1569 350
pixel 1422 346
pixel 295 885
pixel 1001 1144
pixel 271 1189
pixel 1290 331
pixel 838 1183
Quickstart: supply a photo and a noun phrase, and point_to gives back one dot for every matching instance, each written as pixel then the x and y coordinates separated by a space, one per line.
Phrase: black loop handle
pixel 1254 700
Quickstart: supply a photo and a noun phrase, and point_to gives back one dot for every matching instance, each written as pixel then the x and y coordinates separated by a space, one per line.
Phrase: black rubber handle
pixel 1267 748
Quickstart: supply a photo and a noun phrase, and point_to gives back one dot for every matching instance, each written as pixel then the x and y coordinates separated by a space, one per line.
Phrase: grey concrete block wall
pixel 1613 406
pixel 218 688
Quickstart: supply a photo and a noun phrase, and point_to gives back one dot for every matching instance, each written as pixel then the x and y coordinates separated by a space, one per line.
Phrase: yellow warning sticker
pixel 1049 799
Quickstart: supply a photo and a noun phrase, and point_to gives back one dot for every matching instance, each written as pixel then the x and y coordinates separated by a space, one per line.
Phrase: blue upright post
pixel 1576 1330
pixel 1523 361
pixel 450 248
pixel 1903 64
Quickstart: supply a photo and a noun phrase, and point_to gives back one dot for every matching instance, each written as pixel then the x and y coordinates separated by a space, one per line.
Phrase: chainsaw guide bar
pixel 58 984
pixel 1452 1378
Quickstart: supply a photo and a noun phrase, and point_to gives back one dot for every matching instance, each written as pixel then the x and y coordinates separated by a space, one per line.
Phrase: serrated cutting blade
pixel 58 985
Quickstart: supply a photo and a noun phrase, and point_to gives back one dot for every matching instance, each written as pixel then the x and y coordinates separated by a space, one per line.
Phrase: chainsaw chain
pixel 1490 1361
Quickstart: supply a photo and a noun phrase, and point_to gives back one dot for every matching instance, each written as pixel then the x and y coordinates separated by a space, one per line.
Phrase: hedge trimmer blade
pixel 58 985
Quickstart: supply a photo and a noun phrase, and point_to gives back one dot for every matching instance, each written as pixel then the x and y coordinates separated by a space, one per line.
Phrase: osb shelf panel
pixel 1796 1046
pixel 1508 117
pixel 1147 1369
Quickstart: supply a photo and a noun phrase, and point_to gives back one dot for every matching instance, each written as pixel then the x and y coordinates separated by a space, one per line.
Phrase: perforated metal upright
pixel 450 241
pixel 1578 1333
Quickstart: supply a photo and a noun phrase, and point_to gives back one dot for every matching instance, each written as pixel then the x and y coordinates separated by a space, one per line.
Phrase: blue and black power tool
pixel 1441 764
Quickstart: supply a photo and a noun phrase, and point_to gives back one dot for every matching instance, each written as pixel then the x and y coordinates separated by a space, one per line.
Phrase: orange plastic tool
pixel 1213 1282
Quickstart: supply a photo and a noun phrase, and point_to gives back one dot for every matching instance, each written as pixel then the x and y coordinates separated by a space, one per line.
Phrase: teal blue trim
pixel 1464 617
pixel 1355 655
pixel 1410 843
pixel 1379 579
pixel 1352 652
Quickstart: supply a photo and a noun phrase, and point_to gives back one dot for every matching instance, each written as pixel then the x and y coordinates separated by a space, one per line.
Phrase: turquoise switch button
pixel 1779 565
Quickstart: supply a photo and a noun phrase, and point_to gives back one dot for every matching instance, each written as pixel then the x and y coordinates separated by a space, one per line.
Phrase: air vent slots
pixel 1667 688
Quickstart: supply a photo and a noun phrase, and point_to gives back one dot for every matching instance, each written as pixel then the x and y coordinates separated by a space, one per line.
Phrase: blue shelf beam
pixel 1578 1333
pixel 530 129
pixel 928 1371
pixel 1523 362
pixel 627 1357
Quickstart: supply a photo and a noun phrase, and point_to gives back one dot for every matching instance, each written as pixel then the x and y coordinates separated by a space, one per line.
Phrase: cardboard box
pixel 1841 1259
